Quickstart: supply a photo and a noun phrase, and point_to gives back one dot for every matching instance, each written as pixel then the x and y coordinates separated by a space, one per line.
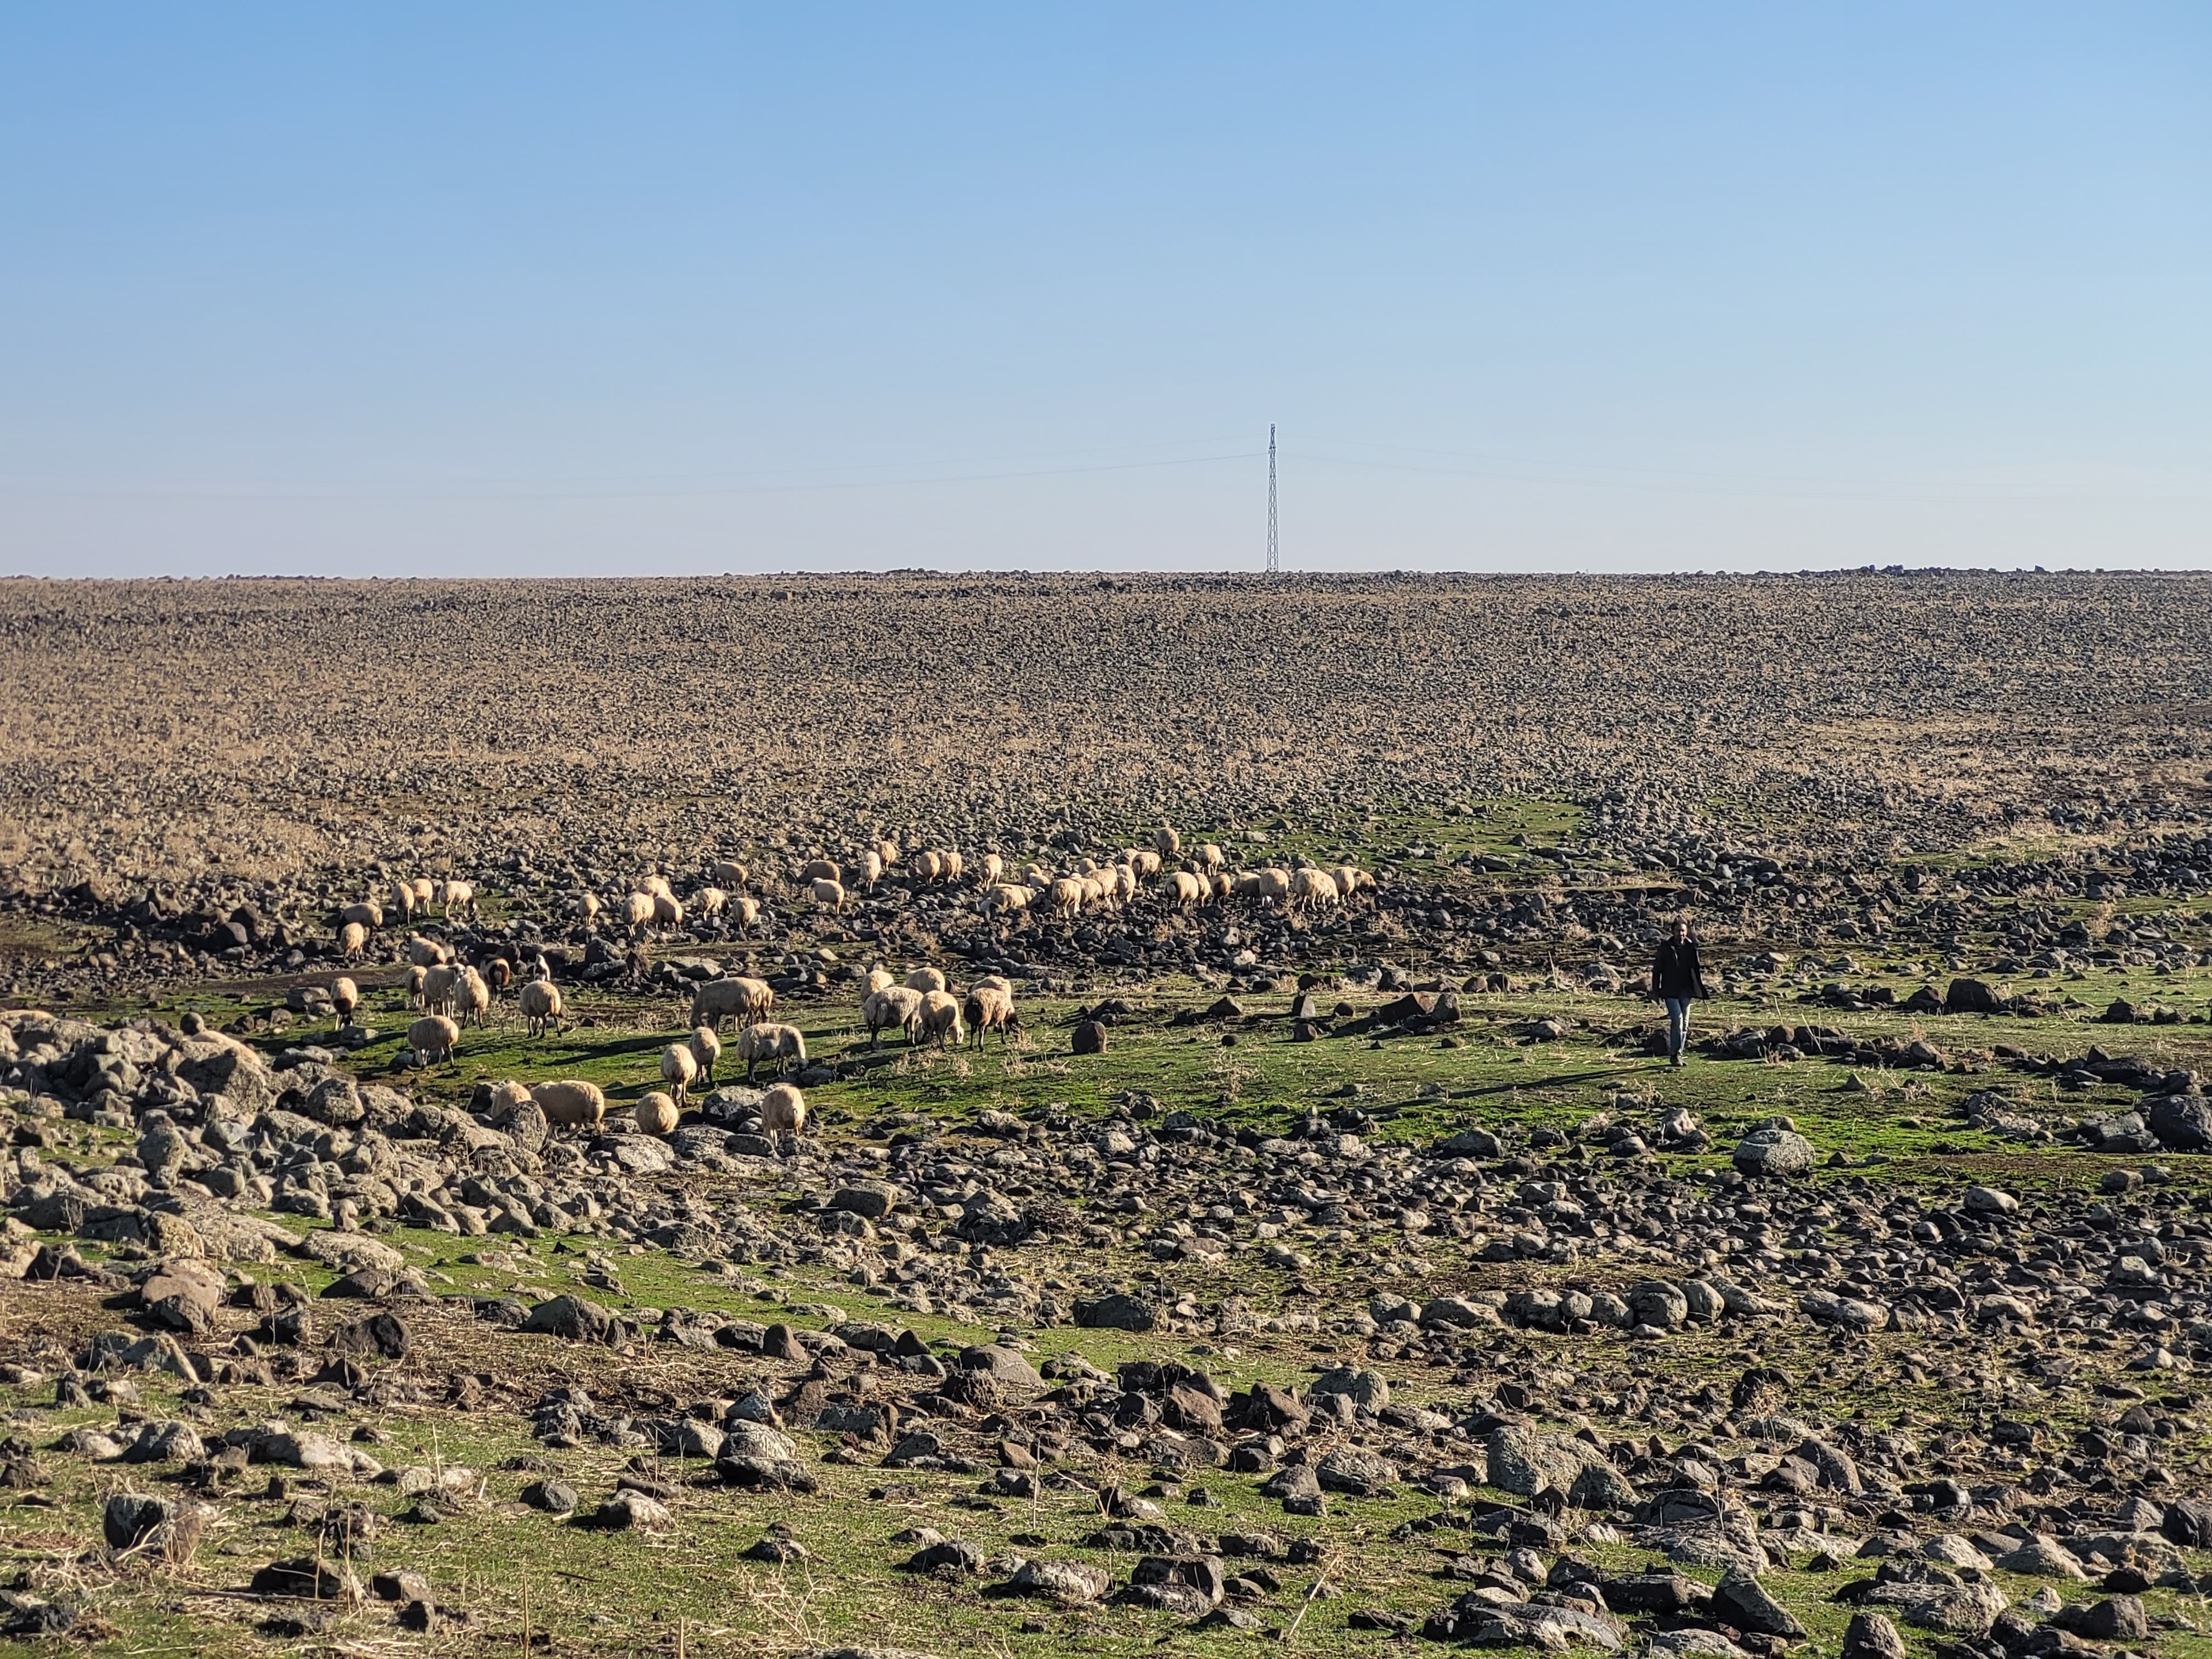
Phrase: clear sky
pixel 552 288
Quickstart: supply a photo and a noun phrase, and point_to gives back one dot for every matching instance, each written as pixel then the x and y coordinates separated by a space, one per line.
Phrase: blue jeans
pixel 1678 1026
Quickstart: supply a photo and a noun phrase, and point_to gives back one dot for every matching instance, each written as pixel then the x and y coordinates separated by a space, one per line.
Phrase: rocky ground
pixel 1350 1280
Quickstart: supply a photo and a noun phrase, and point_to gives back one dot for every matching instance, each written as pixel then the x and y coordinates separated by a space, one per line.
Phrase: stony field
pixel 1347 1275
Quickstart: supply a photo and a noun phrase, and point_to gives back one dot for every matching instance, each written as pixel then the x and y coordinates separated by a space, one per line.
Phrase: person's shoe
pixel 1676 1062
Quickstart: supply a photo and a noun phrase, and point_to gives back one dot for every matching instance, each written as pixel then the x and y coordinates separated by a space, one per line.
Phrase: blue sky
pixel 565 289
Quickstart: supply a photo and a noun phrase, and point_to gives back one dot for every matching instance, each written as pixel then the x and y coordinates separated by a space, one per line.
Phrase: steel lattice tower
pixel 1274 559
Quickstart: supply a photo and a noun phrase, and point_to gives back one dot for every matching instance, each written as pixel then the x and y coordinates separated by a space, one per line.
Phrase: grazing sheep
pixel 1224 884
pixel 989 869
pixel 1350 880
pixel 584 906
pixel 367 915
pixel 438 985
pixel 1209 857
pixel 1167 843
pixel 990 1008
pixel 678 1068
pixel 866 871
pixel 656 886
pixel 403 899
pixel 425 890
pixel 501 973
pixel 828 893
pixel 345 997
pixel 783 1111
pixel 416 976
pixel 784 1044
pixel 471 997
pixel 427 953
pixel 941 1019
pixel 746 1000
pixel 1184 889
pixel 888 851
pixel 667 910
pixel 926 979
pixel 571 1104
pixel 1265 885
pixel 820 870
pixel 928 867
pixel 994 982
pixel 892 1005
pixel 1312 888
pixel 433 1038
pixel 1145 862
pixel 637 912
pixel 1067 896
pixel 710 901
pixel 950 865
pixel 507 1098
pixel 656 1114
pixel 706 1048
pixel 878 978
pixel 746 911
pixel 459 896
pixel 540 1001
pixel 353 941
pixel 1036 876
pixel 723 873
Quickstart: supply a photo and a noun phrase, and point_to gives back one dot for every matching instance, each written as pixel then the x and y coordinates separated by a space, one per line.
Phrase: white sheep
pixel 1209 857
pixel 471 997
pixel 345 997
pixel 459 896
pixel 723 873
pixel 745 1000
pixel 637 912
pixel 427 953
pixel 1184 889
pixel 1067 896
pixel 586 907
pixel 507 1099
pixel 656 1114
pixel 784 1044
pixel 710 901
pixel 706 1048
pixel 1166 843
pixel 678 1068
pixel 745 911
pixel 540 1001
pixel 353 941
pixel 783 1111
pixel 941 1019
pixel 928 866
pixel 878 978
pixel 990 869
pixel 656 886
pixel 820 870
pixel 439 985
pixel 370 916
pixel 416 977
pixel 403 899
pixel 830 895
pixel 433 1038
pixel 889 1005
pixel 667 910
pixel 571 1104
pixel 1312 888
pixel 926 979
pixel 425 890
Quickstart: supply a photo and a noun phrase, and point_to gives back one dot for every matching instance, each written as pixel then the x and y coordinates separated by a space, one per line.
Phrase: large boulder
pixel 1779 1152
pixel 1116 1312
pixel 2182 1122
pixel 573 1319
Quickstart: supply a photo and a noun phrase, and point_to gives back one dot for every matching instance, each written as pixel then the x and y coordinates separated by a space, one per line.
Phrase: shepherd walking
pixel 1677 979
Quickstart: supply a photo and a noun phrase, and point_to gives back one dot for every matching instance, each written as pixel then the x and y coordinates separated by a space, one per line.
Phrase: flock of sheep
pixel 450 994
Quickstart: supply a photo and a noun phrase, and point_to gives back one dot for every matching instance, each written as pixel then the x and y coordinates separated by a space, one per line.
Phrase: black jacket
pixel 1675 971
